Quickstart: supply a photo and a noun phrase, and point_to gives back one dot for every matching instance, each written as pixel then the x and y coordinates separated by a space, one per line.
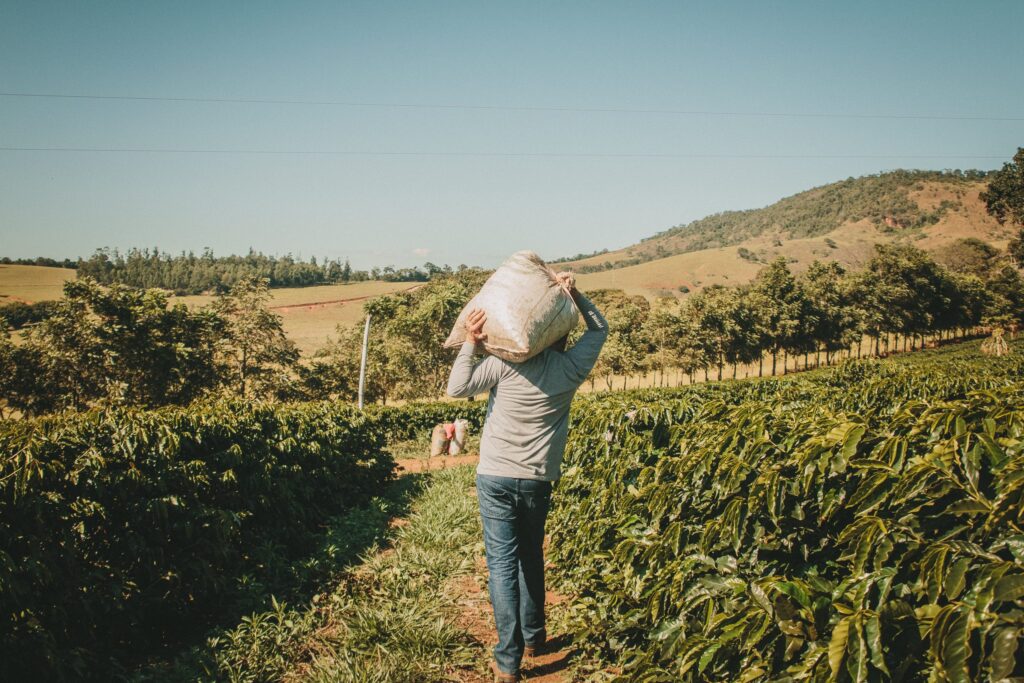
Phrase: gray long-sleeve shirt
pixel 527 420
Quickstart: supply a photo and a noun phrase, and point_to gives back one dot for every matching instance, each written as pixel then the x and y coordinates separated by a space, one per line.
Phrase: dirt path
pixel 475 615
pixel 477 618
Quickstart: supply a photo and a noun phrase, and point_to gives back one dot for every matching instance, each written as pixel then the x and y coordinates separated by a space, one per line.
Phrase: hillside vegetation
pixel 840 221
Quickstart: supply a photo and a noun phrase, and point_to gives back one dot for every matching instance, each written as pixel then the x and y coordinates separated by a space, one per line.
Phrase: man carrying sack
pixel 521 451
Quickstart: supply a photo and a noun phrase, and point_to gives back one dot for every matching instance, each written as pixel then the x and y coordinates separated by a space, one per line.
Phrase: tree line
pixel 191 274
pixel 902 297
pixel 39 261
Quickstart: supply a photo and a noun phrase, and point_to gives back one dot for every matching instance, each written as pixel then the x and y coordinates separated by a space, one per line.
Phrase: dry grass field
pixel 311 314
pixel 29 284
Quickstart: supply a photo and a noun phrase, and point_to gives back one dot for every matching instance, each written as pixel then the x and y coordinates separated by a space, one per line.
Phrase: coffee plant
pixel 121 530
pixel 861 524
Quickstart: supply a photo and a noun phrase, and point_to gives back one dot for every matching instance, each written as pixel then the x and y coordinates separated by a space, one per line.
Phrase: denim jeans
pixel 513 513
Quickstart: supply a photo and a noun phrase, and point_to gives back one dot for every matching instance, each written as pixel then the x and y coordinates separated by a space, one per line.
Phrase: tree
pixel 8 368
pixel 746 329
pixel 831 325
pixel 661 329
pixel 258 355
pixel 968 256
pixel 1015 249
pixel 710 312
pixel 115 345
pixel 902 291
pixel 969 298
pixel 776 292
pixel 1004 198
pixel 1006 291
pixel 624 350
pixel 406 357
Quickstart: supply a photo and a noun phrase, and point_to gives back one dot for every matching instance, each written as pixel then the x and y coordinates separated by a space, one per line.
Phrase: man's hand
pixel 567 280
pixel 475 326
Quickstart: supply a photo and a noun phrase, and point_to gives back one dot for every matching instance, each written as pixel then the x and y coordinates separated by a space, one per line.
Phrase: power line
pixel 485 107
pixel 587 155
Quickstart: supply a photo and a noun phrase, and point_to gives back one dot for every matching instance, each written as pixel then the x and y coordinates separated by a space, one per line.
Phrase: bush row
pixel 863 523
pixel 122 530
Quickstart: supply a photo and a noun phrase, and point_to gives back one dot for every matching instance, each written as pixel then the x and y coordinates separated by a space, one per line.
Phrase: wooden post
pixel 362 364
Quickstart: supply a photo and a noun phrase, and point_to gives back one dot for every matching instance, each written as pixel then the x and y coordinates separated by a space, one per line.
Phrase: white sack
pixel 459 440
pixel 527 309
pixel 438 441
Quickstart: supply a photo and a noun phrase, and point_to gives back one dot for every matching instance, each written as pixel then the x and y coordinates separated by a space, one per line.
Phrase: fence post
pixel 362 364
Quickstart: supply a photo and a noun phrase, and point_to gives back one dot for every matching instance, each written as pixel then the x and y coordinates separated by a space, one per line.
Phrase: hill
pixel 840 221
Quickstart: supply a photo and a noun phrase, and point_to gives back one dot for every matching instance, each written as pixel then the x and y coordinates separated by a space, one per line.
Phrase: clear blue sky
pixel 465 205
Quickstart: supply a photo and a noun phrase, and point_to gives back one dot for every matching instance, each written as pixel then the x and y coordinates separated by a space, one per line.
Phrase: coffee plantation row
pixel 857 523
pixel 863 523
pixel 122 530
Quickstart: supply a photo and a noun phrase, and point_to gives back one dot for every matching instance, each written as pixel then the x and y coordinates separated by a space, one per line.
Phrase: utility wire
pixel 610 155
pixel 481 107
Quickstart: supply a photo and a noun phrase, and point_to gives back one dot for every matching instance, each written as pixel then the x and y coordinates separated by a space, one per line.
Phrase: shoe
pixel 502 677
pixel 534 649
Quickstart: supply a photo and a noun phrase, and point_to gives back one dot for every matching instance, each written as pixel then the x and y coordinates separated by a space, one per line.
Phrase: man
pixel 520 456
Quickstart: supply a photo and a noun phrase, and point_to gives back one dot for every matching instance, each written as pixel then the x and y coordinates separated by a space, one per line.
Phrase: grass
pixel 344 541
pixel 391 617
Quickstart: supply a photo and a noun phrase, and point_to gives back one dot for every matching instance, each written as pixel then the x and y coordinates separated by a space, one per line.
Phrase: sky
pixel 395 133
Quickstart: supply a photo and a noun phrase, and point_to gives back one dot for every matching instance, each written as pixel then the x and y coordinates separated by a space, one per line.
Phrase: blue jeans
pixel 513 513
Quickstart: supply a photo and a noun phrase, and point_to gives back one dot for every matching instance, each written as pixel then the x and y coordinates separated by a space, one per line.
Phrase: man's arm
pixel 467 379
pixel 583 355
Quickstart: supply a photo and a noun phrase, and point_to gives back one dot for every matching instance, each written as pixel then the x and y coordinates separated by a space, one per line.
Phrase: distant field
pixel 294 296
pixel 310 314
pixel 29 284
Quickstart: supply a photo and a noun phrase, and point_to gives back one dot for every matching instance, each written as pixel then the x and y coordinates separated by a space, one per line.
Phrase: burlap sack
pixel 527 309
